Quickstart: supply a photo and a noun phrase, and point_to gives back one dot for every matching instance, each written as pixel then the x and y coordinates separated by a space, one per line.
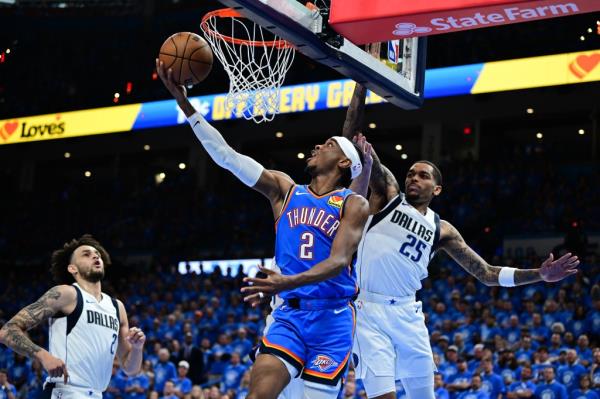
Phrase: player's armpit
pixel 452 242
pixel 274 185
pixel 57 299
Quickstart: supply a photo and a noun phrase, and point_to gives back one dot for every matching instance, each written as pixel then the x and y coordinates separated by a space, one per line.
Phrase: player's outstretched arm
pixel 360 185
pixel 131 344
pixel 274 185
pixel 551 270
pixel 59 299
pixel 342 250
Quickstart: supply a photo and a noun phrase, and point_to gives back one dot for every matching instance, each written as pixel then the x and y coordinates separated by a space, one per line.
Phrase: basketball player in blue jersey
pixel 318 227
pixel 400 238
pixel 87 327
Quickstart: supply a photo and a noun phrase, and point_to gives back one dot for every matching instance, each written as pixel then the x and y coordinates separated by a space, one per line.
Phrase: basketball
pixel 189 56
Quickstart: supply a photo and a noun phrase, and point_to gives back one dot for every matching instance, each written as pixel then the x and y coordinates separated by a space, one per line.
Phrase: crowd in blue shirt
pixel 538 341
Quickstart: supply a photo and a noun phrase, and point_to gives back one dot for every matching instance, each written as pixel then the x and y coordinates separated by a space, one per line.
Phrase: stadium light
pixel 372 125
pixel 581 131
pixel 300 155
pixel 404 156
pixel 279 135
pixel 67 155
pixel 398 147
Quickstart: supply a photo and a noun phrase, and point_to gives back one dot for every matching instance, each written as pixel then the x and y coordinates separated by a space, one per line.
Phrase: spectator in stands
pixel 570 373
pixel 542 361
pixel 169 391
pixel 7 390
pixel 137 386
pixel 549 387
pixel 438 384
pixel 164 370
pixel 584 391
pixel 461 381
pixel 242 344
pixel 233 372
pixel 35 385
pixel 595 370
pixel 524 388
pixel 183 385
pixel 197 392
pixel 449 367
pixel 492 383
pixel 539 332
pixel 193 355
pixel 525 352
pixel 475 390
pixel 584 352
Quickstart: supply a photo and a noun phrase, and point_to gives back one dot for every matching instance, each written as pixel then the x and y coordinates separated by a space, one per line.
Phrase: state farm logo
pixel 8 129
pixel 584 64
pixel 479 19
pixel 408 28
pixel 30 131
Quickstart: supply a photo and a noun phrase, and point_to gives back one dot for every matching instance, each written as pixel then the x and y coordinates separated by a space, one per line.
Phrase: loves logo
pixel 8 129
pixel 40 130
pixel 584 64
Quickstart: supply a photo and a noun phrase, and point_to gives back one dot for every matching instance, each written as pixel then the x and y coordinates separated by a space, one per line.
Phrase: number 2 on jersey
pixel 418 246
pixel 308 240
pixel 112 346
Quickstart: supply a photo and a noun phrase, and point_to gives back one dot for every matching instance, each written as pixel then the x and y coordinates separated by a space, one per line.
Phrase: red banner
pixel 380 20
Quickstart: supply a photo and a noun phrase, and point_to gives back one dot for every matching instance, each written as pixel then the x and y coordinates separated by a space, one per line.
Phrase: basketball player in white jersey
pixel 400 237
pixel 87 327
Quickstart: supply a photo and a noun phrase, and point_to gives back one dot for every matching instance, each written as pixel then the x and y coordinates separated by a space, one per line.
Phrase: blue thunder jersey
pixel 304 234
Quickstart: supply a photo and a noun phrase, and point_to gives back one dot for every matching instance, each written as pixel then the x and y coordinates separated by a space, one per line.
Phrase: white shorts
pixel 391 339
pixel 61 391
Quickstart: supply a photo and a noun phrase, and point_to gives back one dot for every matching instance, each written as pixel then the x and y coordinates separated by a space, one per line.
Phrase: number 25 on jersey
pixel 413 248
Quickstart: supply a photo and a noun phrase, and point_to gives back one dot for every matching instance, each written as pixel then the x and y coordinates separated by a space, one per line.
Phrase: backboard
pixel 398 76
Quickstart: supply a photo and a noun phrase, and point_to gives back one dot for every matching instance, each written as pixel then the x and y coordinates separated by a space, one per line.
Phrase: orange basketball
pixel 189 56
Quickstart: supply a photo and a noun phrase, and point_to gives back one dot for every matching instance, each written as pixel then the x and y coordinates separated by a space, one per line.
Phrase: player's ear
pixel 437 190
pixel 344 163
pixel 72 269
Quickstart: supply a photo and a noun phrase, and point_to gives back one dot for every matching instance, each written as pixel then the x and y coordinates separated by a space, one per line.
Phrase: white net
pixel 255 60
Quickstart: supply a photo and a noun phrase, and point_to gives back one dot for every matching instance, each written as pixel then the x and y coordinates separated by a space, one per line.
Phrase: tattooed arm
pixel 452 242
pixel 63 299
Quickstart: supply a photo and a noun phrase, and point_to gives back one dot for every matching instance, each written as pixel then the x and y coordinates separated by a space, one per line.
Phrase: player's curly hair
pixel 61 258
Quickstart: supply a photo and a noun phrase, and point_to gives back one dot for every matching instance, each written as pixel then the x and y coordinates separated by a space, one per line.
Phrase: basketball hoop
pixel 255 60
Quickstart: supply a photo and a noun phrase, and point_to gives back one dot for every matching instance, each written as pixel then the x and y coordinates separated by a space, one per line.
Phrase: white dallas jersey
pixel 396 247
pixel 87 340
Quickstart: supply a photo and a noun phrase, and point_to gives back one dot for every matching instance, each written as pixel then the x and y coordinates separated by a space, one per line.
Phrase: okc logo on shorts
pixel 324 363
pixel 408 28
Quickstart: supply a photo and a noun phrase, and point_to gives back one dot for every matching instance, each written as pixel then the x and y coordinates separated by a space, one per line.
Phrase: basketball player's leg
pixel 419 387
pixel 269 377
pixel 329 339
pixel 373 352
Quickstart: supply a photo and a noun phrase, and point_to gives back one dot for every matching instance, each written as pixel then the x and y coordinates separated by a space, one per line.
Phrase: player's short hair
pixel 437 175
pixel 61 258
pixel 347 176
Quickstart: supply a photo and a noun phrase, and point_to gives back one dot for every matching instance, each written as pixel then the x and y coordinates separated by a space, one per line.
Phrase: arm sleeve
pixel 243 167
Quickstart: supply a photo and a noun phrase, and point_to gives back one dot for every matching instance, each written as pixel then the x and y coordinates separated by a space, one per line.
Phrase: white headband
pixel 350 151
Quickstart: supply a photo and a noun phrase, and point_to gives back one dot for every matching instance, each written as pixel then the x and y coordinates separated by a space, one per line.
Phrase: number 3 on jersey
pixel 307 240
pixel 417 246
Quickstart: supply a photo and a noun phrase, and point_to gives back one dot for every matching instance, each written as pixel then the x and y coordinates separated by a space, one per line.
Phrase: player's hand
pixel 54 366
pixel 365 147
pixel 555 270
pixel 262 287
pixel 166 75
pixel 136 338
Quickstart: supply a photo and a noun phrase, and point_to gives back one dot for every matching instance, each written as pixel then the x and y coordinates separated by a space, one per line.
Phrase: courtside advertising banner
pixel 379 20
pixel 487 77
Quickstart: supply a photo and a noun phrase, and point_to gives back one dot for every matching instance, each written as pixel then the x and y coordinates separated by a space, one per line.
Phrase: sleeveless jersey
pixel 87 340
pixel 396 247
pixel 304 233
